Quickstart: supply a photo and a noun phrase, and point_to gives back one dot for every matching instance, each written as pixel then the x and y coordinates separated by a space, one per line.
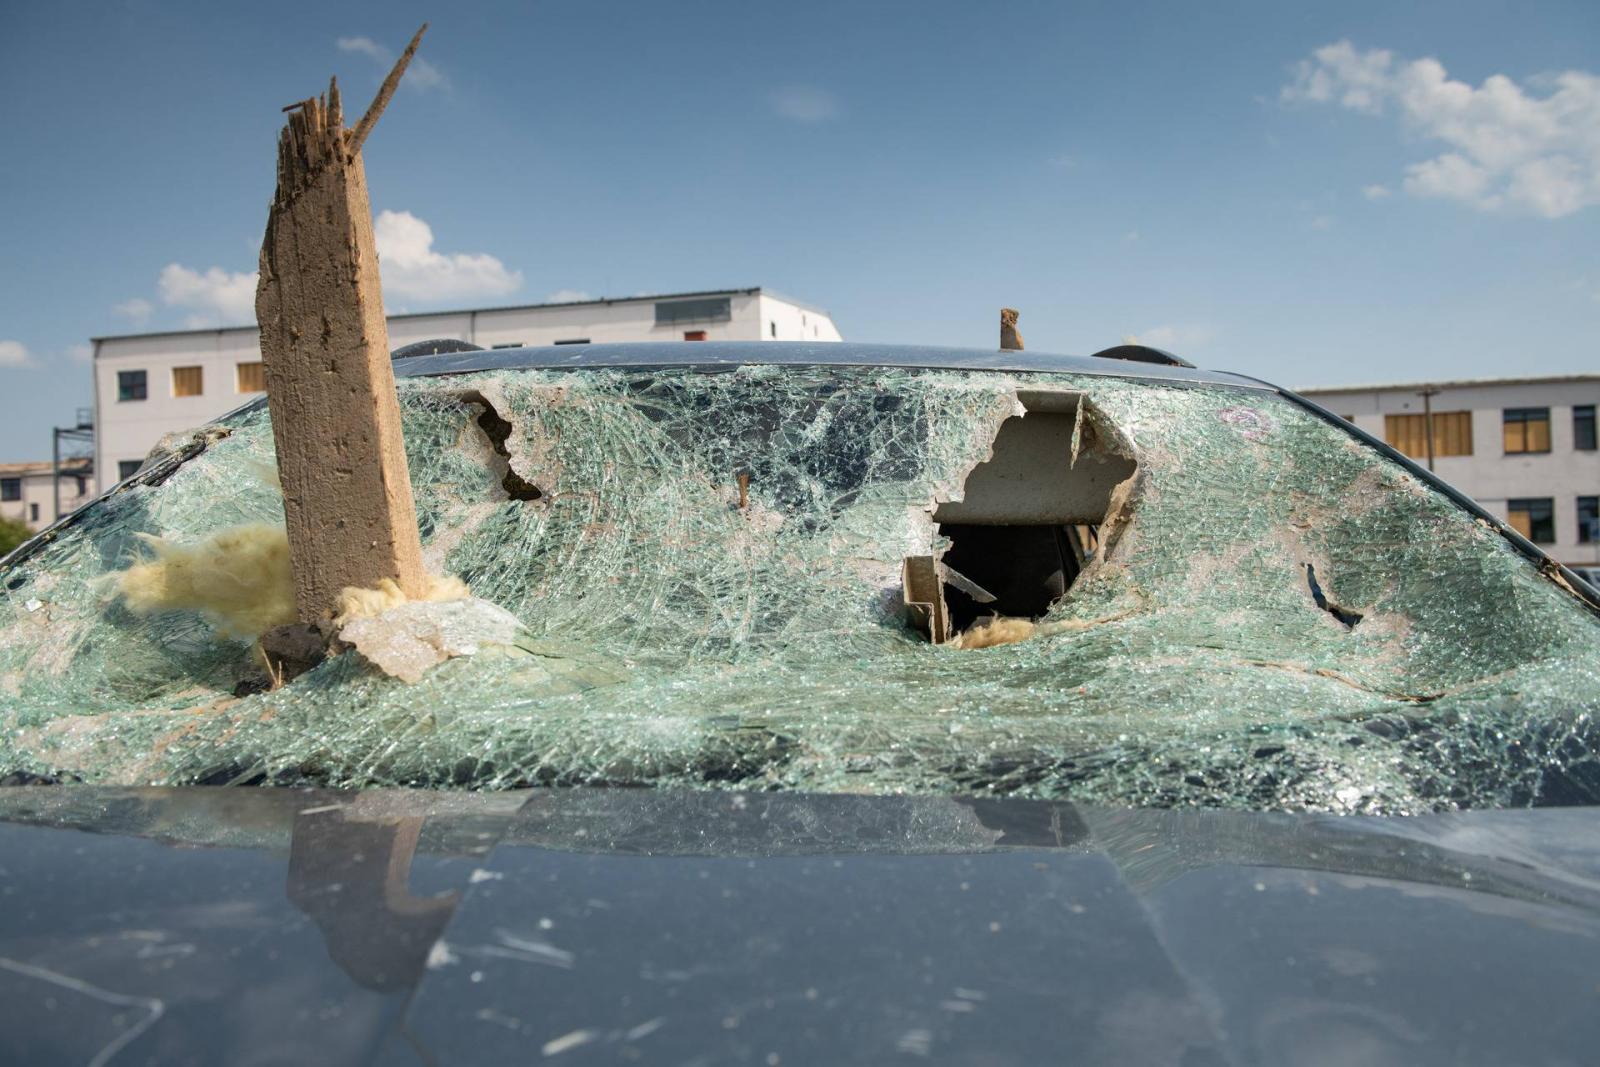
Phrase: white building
pixel 1524 448
pixel 149 385
pixel 28 491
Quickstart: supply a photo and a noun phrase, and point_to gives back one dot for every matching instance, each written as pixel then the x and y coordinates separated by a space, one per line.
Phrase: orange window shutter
pixel 1452 433
pixel 1539 435
pixel 252 378
pixel 1405 433
pixel 1392 428
pixel 187 381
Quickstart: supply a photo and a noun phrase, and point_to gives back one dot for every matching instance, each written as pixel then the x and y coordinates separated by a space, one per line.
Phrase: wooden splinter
pixel 1010 339
pixel 325 346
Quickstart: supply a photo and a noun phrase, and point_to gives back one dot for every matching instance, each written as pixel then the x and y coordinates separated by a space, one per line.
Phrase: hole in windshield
pixel 1026 524
pixel 1347 618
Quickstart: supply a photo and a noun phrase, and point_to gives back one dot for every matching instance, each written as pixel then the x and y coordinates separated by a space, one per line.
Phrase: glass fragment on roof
pixel 675 637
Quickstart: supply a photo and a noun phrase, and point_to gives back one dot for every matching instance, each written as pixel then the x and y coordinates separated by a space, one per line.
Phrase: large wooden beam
pixel 330 385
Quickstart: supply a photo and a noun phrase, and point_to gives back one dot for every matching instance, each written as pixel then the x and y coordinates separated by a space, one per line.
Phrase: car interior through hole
pixel 1028 521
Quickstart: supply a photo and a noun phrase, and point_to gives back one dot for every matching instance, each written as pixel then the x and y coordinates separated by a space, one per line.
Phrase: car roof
pixel 726 354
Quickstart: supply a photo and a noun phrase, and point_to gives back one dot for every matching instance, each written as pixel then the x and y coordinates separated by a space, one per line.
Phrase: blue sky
pixel 1313 193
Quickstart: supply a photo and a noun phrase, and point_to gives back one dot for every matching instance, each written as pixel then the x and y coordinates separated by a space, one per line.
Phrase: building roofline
pixel 1455 383
pixel 598 301
pixel 801 304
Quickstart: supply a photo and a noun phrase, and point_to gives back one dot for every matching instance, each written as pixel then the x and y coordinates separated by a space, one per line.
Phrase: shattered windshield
pixel 847 579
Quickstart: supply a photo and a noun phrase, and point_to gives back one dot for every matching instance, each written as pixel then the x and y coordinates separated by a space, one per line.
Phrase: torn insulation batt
pixel 1275 615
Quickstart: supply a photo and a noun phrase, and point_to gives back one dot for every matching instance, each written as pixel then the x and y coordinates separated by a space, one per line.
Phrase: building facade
pixel 1524 448
pixel 150 385
pixel 28 491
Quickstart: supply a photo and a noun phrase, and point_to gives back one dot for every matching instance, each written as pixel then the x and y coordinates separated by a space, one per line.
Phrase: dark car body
pixel 618 926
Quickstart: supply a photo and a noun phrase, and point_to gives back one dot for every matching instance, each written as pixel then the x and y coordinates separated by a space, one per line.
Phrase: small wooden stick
pixel 385 93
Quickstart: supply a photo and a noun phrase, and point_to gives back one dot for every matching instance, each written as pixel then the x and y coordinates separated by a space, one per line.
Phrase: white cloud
pixel 1359 81
pixel 1172 337
pixel 136 310
pixel 1064 162
pixel 412 270
pixel 805 103
pixel 1322 222
pixel 15 354
pixel 368 47
pixel 213 298
pixel 1375 192
pixel 420 74
pixel 1453 177
pixel 567 296
pixel 1506 148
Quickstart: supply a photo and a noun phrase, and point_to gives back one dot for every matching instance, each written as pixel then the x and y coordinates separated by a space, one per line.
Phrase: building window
pixel 674 312
pixel 250 377
pixel 83 485
pixel 1527 430
pixel 694 335
pixel 1351 419
pixel 513 344
pixel 131 385
pixel 188 381
pixel 1583 427
pixel 1452 433
pixel 10 488
pixel 1588 520
pixel 774 326
pixel 1533 518
pixel 127 468
pixel 33 512
pixel 574 341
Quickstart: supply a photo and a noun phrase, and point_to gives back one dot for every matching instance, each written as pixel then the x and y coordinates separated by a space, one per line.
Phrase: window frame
pixel 1536 524
pixel 675 313
pixel 1583 428
pixel 127 391
pixel 10 490
pixel 127 468
pixel 1588 531
pixel 1524 417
